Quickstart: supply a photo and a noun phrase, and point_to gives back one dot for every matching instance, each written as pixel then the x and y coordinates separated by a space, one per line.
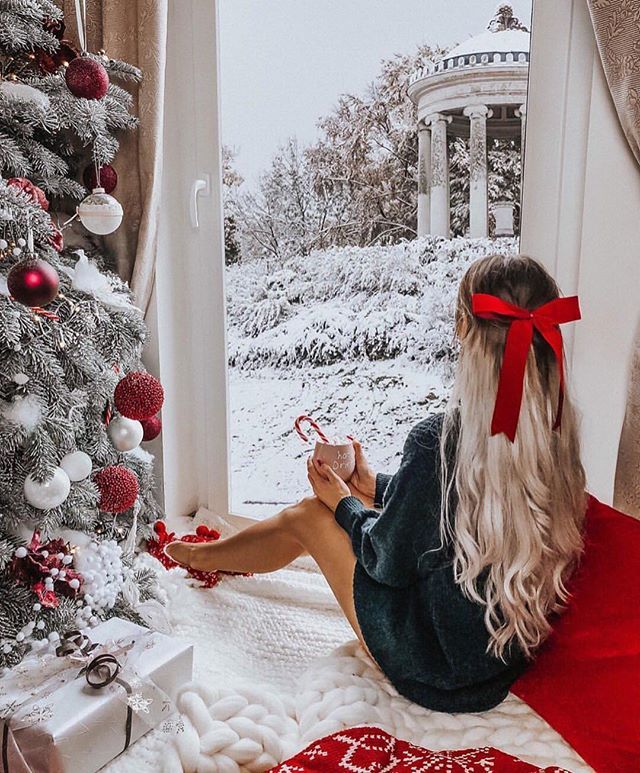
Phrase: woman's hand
pixel 362 483
pixel 326 485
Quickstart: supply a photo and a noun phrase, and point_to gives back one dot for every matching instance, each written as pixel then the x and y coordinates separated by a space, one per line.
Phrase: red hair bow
pixel 545 319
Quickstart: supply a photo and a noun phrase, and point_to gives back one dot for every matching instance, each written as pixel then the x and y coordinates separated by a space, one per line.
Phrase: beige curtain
pixel 135 31
pixel 617 29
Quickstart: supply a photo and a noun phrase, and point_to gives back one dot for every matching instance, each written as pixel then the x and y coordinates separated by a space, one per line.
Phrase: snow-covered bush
pixel 352 303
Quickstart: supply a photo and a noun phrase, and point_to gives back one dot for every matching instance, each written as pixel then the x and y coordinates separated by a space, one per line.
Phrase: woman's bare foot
pixel 194 555
pixel 180 552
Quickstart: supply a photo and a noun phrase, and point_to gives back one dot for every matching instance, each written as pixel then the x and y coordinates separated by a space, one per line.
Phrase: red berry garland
pixel 86 78
pixel 203 534
pixel 151 427
pixel 106 178
pixel 118 488
pixel 139 395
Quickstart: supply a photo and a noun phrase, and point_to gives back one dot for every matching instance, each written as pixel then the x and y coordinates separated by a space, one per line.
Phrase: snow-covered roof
pixel 492 42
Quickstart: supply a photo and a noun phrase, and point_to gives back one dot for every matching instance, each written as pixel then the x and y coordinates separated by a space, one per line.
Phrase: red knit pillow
pixel 586 679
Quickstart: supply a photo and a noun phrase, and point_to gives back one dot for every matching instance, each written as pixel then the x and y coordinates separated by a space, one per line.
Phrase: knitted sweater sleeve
pixel 388 544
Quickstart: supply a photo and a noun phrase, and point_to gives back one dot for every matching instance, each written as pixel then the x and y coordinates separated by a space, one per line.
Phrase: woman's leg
pixel 275 542
pixel 262 547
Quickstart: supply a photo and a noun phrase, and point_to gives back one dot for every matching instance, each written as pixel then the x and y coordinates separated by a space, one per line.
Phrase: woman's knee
pixel 302 517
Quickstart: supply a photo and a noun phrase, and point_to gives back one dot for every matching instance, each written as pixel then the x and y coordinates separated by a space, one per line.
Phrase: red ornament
pixel 42 561
pixel 50 62
pixel 86 78
pixel 107 174
pixel 152 427
pixel 55 26
pixel 36 194
pixel 118 488
pixel 139 395
pixel 203 534
pixel 56 240
pixel 33 282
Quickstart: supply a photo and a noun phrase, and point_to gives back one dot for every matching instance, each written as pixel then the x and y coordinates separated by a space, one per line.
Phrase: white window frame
pixel 569 221
pixel 190 302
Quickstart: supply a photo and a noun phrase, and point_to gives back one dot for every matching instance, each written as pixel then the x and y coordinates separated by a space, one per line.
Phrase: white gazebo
pixel 477 90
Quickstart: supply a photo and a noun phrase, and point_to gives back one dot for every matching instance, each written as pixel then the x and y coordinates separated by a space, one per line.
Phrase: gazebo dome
pixel 515 41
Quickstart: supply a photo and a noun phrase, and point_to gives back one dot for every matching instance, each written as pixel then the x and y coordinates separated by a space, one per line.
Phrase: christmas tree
pixel 75 403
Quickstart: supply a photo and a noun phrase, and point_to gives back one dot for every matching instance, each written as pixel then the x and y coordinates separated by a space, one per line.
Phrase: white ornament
pixel 99 212
pixel 25 93
pixel 3 244
pixel 100 564
pixel 20 552
pixel 77 465
pixel 51 493
pixel 125 434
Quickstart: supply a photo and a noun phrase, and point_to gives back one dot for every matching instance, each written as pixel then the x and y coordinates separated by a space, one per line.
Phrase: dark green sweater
pixel 428 638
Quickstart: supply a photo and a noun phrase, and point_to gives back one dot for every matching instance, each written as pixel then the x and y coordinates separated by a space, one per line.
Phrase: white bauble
pixel 125 434
pixel 99 212
pixel 49 494
pixel 77 465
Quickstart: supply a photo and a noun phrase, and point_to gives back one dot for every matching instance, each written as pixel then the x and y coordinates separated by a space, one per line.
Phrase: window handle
pixel 199 187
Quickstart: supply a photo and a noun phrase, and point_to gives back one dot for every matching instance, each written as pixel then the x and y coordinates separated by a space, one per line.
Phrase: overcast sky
pixel 284 62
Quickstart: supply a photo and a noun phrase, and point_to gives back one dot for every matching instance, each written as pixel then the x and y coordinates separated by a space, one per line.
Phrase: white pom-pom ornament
pixel 99 212
pixel 100 564
pixel 25 93
pixel 77 465
pixel 51 493
pixel 125 434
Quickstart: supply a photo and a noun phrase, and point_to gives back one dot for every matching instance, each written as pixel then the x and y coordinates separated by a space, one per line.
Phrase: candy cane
pixel 314 426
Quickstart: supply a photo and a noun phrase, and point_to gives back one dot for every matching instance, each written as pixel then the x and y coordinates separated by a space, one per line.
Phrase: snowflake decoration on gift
pixel 135 683
pixel 40 713
pixel 169 726
pixel 138 702
pixel 7 710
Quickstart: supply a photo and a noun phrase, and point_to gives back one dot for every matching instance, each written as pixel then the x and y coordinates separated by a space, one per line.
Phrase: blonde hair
pixel 517 528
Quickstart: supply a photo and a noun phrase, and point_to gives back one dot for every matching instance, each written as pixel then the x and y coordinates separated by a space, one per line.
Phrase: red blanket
pixel 586 679
pixel 370 750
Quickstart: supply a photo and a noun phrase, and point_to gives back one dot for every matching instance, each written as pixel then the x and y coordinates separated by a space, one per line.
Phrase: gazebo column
pixel 439 194
pixel 424 179
pixel 478 195
pixel 522 113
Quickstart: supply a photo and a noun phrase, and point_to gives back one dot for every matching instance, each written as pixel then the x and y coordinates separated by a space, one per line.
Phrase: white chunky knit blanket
pixel 277 667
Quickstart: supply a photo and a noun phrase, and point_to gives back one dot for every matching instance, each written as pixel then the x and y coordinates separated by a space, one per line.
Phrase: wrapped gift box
pixel 63 725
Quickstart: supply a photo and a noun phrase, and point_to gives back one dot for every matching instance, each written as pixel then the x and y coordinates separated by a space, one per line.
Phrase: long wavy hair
pixel 516 532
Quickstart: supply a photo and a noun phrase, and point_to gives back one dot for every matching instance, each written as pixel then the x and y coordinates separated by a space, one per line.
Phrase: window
pixel 345 236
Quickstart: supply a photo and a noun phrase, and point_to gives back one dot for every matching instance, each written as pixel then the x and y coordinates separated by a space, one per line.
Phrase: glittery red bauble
pixel 87 78
pixel 139 395
pixel 152 427
pixel 108 178
pixel 118 488
pixel 33 282
pixel 36 194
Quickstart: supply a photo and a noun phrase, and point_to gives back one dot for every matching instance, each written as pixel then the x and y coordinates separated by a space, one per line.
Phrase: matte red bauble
pixel 86 78
pixel 33 282
pixel 118 487
pixel 139 395
pixel 108 178
pixel 151 428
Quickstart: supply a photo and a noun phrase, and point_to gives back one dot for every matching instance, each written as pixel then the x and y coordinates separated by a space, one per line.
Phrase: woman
pixel 452 594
